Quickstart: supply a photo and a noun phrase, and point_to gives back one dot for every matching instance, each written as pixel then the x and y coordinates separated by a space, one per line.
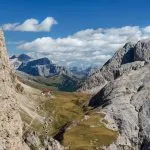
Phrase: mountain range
pixel 36 67
pixel 44 67
pixel 43 71
pixel 110 110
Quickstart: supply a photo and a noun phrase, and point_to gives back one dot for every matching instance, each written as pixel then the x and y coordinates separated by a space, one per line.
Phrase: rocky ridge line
pixel 138 53
pixel 126 100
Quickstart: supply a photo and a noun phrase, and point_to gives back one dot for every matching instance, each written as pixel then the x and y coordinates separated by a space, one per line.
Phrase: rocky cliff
pixel 125 98
pixel 129 53
pixel 10 121
pixel 126 103
pixel 14 99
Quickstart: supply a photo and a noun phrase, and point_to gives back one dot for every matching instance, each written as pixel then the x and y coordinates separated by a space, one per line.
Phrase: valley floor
pixel 66 117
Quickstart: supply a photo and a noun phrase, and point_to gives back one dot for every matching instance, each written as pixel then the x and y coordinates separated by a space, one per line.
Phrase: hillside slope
pixel 15 133
pixel 60 82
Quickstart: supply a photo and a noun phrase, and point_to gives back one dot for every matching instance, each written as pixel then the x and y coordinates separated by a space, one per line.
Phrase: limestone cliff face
pixel 128 54
pixel 126 103
pixel 125 100
pixel 102 76
pixel 10 121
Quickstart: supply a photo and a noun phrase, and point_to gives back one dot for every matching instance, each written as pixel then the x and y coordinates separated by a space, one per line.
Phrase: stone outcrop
pixel 128 54
pixel 126 103
pixel 12 135
pixel 101 76
pixel 126 68
pixel 125 99
pixel 35 141
pixel 142 51
pixel 10 121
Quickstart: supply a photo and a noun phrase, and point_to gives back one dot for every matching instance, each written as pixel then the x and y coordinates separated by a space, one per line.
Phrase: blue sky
pixel 78 22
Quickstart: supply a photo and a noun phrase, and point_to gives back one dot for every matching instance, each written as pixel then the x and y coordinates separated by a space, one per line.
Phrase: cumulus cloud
pixel 86 47
pixel 32 25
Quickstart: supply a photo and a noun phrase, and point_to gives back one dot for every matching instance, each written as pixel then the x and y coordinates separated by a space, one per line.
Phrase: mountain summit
pixel 42 67
pixel 137 53
pixel 122 88
pixel 16 61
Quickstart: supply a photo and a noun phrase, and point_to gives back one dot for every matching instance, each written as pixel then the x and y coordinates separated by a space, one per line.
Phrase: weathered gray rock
pixel 128 54
pixel 125 96
pixel 142 51
pixel 126 103
pixel 126 68
pixel 35 141
pixel 101 76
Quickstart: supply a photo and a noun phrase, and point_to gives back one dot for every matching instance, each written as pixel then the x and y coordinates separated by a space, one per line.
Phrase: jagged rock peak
pixel 142 51
pixel 3 51
pixel 42 67
pixel 13 57
pixel 129 53
pixel 98 79
pixel 23 57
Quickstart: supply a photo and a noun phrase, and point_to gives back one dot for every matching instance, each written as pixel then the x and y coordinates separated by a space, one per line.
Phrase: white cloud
pixel 32 25
pixel 87 47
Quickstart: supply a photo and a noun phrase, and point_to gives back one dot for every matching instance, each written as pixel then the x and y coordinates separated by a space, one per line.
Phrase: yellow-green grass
pixel 63 109
pixel 32 123
pixel 67 107
pixel 89 134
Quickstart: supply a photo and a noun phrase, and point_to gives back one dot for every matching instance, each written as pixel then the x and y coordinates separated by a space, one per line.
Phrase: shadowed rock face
pixel 128 54
pixel 21 57
pixel 16 61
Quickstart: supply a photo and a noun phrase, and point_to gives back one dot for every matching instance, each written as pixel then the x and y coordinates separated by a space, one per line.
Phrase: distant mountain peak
pixel 13 57
pixel 24 57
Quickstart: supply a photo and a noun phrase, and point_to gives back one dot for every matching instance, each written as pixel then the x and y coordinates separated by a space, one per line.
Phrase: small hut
pixel 47 92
